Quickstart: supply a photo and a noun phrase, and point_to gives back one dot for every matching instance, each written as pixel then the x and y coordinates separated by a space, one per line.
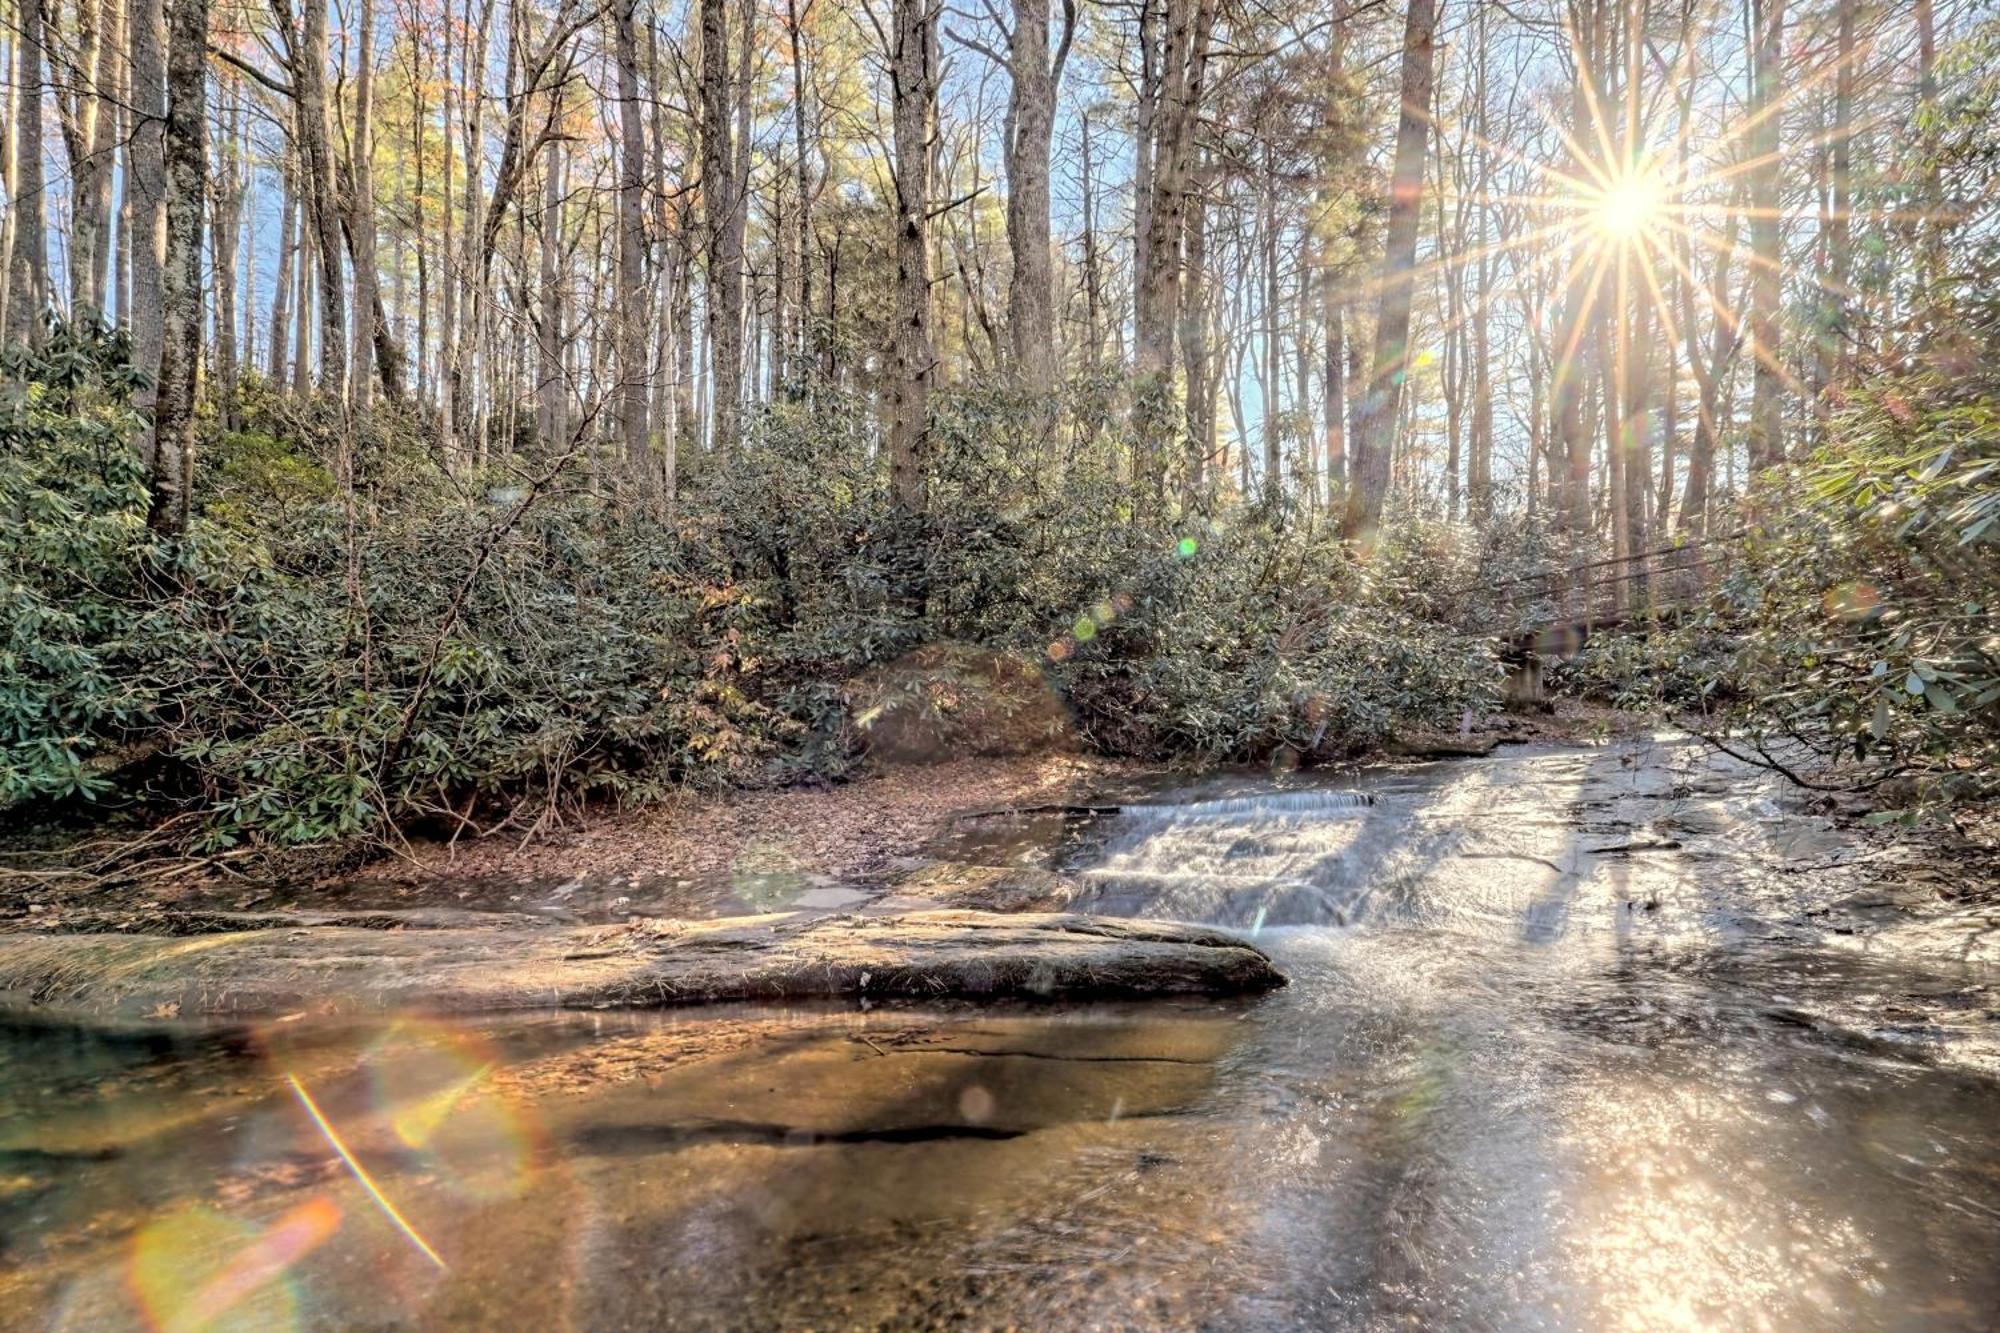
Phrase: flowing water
pixel 1616 1037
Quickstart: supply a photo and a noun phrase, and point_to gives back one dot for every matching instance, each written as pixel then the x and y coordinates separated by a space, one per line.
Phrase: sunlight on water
pixel 1524 1076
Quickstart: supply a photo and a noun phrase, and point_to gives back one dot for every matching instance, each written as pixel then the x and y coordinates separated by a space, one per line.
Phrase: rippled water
pixel 1575 1039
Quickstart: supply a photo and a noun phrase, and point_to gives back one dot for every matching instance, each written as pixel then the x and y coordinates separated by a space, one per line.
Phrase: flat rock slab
pixel 274 972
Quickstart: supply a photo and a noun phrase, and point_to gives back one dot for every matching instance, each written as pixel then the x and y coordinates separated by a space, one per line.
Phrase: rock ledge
pixel 310 969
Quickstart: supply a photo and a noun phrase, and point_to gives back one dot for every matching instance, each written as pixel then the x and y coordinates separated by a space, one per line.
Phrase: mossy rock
pixel 950 701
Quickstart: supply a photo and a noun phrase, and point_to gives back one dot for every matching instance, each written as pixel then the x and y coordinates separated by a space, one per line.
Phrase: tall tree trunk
pixel 1093 287
pixel 913 74
pixel 802 215
pixel 633 357
pixel 1376 429
pixel 1194 308
pixel 549 416
pixel 282 293
pixel 1766 435
pixel 1576 345
pixel 1333 383
pixel 1833 332
pixel 1272 379
pixel 302 297
pixel 308 69
pixel 101 40
pixel 1031 113
pixel 185 150
pixel 226 206
pixel 1180 66
pixel 369 324
pixel 719 189
pixel 28 254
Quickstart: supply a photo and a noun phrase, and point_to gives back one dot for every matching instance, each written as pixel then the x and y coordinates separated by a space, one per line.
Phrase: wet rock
pixel 989 888
pixel 331 970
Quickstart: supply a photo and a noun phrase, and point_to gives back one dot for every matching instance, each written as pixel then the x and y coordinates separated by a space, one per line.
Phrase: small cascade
pixel 1301 803
pixel 1251 861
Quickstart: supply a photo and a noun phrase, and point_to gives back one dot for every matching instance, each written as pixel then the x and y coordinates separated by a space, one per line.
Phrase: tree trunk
pixel 28 255
pixel 281 295
pixel 226 205
pixel 1030 128
pixel 549 415
pixel 369 323
pixel 308 69
pixel 101 40
pixel 186 160
pixel 1333 383
pixel 1194 307
pixel 1833 332
pixel 912 366
pixel 1576 348
pixel 1376 427
pixel 802 215
pixel 725 239
pixel 633 358
pixel 1766 435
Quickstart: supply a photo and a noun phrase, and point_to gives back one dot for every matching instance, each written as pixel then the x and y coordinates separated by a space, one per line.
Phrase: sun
pixel 1627 206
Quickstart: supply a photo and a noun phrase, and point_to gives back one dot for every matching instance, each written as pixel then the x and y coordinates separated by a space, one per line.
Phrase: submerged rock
pixel 345 969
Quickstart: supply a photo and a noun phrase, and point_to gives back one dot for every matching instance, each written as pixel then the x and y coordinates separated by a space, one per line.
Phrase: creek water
pixel 1604 1037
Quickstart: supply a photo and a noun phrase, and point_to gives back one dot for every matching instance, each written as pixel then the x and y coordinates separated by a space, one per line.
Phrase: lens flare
pixel 435 1083
pixel 361 1173
pixel 196 1269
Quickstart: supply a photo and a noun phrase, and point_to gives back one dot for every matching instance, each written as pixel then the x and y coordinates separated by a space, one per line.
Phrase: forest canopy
pixel 424 413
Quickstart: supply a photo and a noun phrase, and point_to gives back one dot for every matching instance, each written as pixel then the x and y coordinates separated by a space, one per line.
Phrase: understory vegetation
pixel 474 652
pixel 482 650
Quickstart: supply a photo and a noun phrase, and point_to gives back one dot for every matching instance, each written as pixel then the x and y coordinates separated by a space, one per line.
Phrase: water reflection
pixel 1535 1070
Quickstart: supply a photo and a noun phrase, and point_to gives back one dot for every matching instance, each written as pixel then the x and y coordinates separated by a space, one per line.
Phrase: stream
pixel 1605 1037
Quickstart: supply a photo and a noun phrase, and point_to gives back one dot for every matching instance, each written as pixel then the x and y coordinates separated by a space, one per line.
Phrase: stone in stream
pixel 343 969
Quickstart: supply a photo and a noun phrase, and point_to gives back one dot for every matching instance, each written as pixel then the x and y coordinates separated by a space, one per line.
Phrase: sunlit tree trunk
pixel 1375 430
pixel 1767 433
